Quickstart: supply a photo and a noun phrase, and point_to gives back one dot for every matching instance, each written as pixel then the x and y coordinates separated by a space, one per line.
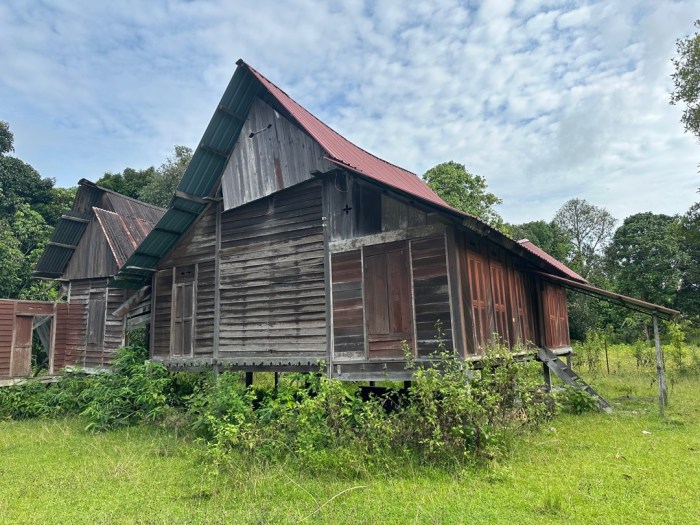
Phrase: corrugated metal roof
pixel 539 252
pixel 343 152
pixel 199 181
pixel 67 233
pixel 123 234
pixel 210 158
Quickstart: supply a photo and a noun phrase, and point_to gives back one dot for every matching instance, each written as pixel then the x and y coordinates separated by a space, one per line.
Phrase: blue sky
pixel 546 99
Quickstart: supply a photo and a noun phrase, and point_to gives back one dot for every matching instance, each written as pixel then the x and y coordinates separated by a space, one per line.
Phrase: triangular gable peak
pixel 227 156
pixel 78 231
pixel 271 154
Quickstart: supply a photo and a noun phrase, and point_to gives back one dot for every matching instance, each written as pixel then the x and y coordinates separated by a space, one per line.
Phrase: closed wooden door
pixel 388 302
pixel 22 347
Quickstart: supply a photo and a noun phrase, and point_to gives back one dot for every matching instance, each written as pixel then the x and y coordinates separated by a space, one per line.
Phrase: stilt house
pixel 286 246
pixel 87 248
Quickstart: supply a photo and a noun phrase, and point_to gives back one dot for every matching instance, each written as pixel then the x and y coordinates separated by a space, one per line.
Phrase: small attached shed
pixel 286 246
pixel 89 244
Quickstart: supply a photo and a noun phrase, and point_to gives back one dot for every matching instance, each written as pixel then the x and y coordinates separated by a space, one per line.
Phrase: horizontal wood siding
pixel 272 277
pixel 278 156
pixel 161 313
pixel 114 326
pixel 198 244
pixel 348 316
pixel 204 322
pixel 431 293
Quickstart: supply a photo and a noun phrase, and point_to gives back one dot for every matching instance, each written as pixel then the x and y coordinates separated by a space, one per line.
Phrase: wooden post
pixel 663 396
pixel 547 376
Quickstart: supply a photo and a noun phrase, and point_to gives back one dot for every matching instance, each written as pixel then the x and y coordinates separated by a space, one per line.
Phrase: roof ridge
pixel 86 182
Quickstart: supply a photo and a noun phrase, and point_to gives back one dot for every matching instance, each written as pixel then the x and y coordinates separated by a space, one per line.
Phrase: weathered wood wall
pixel 501 296
pixel 93 256
pixel 7 319
pixel 278 157
pixel 104 333
pixel 65 337
pixel 272 279
pixel 192 259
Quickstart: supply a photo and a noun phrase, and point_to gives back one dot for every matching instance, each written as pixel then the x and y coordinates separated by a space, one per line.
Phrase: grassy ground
pixel 629 467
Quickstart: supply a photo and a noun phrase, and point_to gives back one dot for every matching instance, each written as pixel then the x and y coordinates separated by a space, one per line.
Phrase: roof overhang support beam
pixel 214 151
pixel 231 113
pixel 59 245
pixel 651 309
pixel 189 197
pixel 75 219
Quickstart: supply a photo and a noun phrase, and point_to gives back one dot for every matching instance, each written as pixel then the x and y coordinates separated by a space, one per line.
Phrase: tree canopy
pixel 644 257
pixel 590 228
pixel 464 191
pixel 686 80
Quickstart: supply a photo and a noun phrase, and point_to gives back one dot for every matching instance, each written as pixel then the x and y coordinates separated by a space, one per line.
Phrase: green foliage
pixel 686 80
pixel 575 401
pixel 552 238
pixel 688 296
pixel 465 191
pixel 590 228
pixel 591 351
pixel 7 139
pixel 130 182
pixel 135 392
pixel 645 258
pixel 161 187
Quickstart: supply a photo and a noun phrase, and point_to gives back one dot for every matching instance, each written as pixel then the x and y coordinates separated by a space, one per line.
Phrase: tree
pixel 590 228
pixel 162 186
pixel 688 297
pixel 130 182
pixel 547 235
pixel 464 191
pixel 7 139
pixel 686 80
pixel 644 257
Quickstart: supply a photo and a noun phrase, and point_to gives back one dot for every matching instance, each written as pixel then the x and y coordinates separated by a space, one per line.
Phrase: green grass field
pixel 628 467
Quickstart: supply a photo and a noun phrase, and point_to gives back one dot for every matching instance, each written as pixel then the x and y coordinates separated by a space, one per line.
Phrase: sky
pixel 547 100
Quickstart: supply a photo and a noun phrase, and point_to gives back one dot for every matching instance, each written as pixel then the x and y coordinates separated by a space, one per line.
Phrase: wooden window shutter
pixel 183 320
pixel 498 294
pixel 478 293
pixel 388 301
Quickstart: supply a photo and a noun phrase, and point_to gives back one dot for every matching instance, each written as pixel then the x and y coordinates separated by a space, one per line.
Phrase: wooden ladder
pixel 571 378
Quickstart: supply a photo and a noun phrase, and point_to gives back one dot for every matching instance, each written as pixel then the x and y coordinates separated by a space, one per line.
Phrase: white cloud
pixel 548 99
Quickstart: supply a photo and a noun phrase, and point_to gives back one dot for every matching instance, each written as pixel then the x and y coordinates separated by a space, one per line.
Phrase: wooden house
pixel 89 244
pixel 286 246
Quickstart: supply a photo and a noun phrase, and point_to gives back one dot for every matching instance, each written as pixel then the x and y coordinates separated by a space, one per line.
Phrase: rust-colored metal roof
pixel 346 154
pixel 123 234
pixel 539 252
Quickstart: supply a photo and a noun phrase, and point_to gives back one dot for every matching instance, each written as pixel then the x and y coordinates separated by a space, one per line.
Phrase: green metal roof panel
pixel 200 179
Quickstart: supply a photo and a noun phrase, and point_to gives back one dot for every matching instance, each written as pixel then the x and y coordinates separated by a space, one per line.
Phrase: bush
pixel 575 401
pixel 135 391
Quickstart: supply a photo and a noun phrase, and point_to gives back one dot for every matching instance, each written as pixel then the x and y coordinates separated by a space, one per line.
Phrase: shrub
pixel 575 400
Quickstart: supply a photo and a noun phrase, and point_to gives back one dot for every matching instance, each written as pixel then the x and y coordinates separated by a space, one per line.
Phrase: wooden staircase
pixel 566 374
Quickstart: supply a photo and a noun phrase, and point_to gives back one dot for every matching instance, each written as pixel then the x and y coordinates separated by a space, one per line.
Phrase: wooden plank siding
pixel 348 311
pixel 7 319
pixel 93 257
pixel 431 294
pixel 279 155
pixel 556 323
pixel 272 278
